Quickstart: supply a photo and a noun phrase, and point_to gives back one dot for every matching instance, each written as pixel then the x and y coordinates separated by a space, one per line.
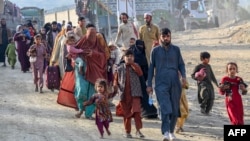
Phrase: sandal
pixel 127 135
pixel 139 134
pixel 179 129
pixel 90 118
pixel 78 115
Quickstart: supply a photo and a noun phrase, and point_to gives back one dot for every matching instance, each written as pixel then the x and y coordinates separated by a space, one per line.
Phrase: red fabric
pixel 66 95
pixel 235 106
pixel 119 111
pixel 32 32
pixel 96 64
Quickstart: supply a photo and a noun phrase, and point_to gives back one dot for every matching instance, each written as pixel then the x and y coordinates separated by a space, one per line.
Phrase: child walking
pixel 11 53
pixel 204 82
pixel 126 81
pixel 103 114
pixel 113 62
pixel 183 108
pixel 38 52
pixel 230 86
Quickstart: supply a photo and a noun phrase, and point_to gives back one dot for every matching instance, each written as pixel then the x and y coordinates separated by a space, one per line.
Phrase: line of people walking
pixel 92 72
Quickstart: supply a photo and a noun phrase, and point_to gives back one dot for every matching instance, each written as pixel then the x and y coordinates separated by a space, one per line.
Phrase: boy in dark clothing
pixel 205 87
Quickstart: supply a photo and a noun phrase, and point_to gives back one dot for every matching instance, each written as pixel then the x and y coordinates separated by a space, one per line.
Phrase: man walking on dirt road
pixel 166 60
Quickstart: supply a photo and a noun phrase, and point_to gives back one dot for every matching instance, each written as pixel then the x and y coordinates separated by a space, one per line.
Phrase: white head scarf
pixel 18 28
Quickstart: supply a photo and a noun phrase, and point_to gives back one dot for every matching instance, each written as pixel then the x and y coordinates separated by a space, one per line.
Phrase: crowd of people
pixel 147 63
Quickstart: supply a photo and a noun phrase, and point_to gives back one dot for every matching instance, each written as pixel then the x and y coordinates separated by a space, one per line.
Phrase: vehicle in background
pixel 11 13
pixel 34 15
pixel 199 16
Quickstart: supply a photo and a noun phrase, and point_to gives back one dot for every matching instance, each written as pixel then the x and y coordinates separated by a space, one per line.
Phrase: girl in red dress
pixel 231 86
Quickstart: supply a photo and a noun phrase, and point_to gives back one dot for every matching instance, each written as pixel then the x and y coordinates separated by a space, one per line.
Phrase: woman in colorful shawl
pixel 95 57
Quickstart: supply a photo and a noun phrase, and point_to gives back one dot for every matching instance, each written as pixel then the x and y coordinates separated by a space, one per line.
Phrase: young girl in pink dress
pixel 103 114
pixel 71 47
pixel 232 86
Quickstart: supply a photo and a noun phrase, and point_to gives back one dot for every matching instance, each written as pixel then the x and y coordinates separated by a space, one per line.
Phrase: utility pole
pixel 127 6
pixel 109 27
pixel 96 17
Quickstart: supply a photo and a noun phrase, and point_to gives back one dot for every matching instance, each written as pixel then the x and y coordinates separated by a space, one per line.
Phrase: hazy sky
pixel 46 4
pixel 244 2
pixel 49 4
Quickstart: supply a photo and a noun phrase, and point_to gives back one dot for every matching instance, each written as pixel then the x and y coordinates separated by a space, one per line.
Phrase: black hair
pixel 90 25
pixel 165 31
pixel 128 52
pixel 123 14
pixel 54 23
pixel 132 38
pixel 103 83
pixel 70 23
pixel 231 63
pixel 204 55
pixel 37 36
pixel 81 18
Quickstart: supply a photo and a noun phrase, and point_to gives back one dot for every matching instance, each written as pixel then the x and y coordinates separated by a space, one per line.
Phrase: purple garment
pixel 100 124
pixel 38 65
pixel 22 49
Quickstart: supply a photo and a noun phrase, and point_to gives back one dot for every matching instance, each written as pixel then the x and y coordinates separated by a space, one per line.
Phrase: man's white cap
pixel 147 14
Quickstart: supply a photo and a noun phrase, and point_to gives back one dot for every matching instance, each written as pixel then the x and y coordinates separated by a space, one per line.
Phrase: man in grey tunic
pixel 165 62
pixel 126 30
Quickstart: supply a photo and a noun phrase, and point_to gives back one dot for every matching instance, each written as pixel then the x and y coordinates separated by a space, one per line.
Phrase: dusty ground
pixel 28 116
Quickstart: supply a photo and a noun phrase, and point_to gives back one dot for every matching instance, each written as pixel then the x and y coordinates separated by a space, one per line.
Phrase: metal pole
pixel 118 11
pixel 127 6
pixel 96 17
pixel 109 26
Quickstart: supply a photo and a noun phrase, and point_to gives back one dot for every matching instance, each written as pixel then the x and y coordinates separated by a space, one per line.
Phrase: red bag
pixel 118 110
pixel 52 77
pixel 66 95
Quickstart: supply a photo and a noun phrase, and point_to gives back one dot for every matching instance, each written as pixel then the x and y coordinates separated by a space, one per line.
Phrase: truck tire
pixel 194 26
pixel 216 21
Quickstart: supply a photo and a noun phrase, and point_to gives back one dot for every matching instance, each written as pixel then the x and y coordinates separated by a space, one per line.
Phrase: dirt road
pixel 29 116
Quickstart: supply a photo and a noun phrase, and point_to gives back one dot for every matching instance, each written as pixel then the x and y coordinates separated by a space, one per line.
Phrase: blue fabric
pixel 168 123
pixel 167 63
pixel 83 89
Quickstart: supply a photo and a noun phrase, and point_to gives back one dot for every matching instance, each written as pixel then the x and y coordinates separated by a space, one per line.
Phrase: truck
pixel 107 20
pixel 34 15
pixel 11 13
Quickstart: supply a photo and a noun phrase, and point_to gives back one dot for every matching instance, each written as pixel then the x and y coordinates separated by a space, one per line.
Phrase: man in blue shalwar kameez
pixel 165 62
